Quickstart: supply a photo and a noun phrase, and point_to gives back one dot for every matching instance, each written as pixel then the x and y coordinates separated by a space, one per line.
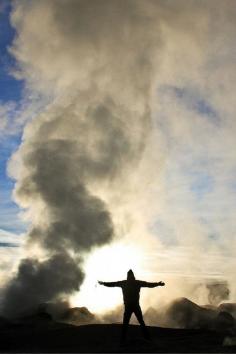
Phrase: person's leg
pixel 139 315
pixel 127 314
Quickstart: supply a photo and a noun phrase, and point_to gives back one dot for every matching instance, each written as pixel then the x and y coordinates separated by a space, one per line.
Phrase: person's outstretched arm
pixel 146 284
pixel 110 283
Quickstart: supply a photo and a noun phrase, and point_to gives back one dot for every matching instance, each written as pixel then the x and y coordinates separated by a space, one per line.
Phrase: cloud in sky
pixel 9 239
pixel 141 112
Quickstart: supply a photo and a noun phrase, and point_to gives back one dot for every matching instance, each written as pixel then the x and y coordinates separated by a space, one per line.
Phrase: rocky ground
pixel 181 327
pixel 103 338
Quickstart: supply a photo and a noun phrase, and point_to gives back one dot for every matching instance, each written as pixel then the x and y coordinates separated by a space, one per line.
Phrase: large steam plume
pixel 94 130
pixel 110 70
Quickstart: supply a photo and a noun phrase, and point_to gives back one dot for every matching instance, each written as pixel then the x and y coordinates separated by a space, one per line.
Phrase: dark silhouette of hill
pixel 36 319
pixel 105 338
pixel 78 315
pixel 203 330
pixel 228 307
pixel 183 313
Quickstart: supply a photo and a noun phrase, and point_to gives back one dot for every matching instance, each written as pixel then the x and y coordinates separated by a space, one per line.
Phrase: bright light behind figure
pixel 109 263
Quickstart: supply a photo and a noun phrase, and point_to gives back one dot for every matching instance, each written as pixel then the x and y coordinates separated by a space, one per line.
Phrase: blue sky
pixel 11 89
pixel 10 93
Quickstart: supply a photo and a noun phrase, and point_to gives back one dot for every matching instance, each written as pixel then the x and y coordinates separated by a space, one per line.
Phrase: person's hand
pixel 161 283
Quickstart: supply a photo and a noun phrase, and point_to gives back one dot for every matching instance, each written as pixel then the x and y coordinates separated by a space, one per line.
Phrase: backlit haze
pixel 117 133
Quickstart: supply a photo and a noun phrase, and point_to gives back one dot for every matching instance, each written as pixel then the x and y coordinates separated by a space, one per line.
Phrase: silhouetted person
pixel 131 289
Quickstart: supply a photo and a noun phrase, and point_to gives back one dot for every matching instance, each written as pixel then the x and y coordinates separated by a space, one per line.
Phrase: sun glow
pixel 109 263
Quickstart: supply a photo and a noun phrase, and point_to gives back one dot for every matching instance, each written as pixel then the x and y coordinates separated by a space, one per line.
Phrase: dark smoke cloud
pixel 37 282
pixel 77 220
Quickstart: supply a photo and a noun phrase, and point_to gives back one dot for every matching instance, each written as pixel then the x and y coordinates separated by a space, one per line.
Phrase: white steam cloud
pixel 137 139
